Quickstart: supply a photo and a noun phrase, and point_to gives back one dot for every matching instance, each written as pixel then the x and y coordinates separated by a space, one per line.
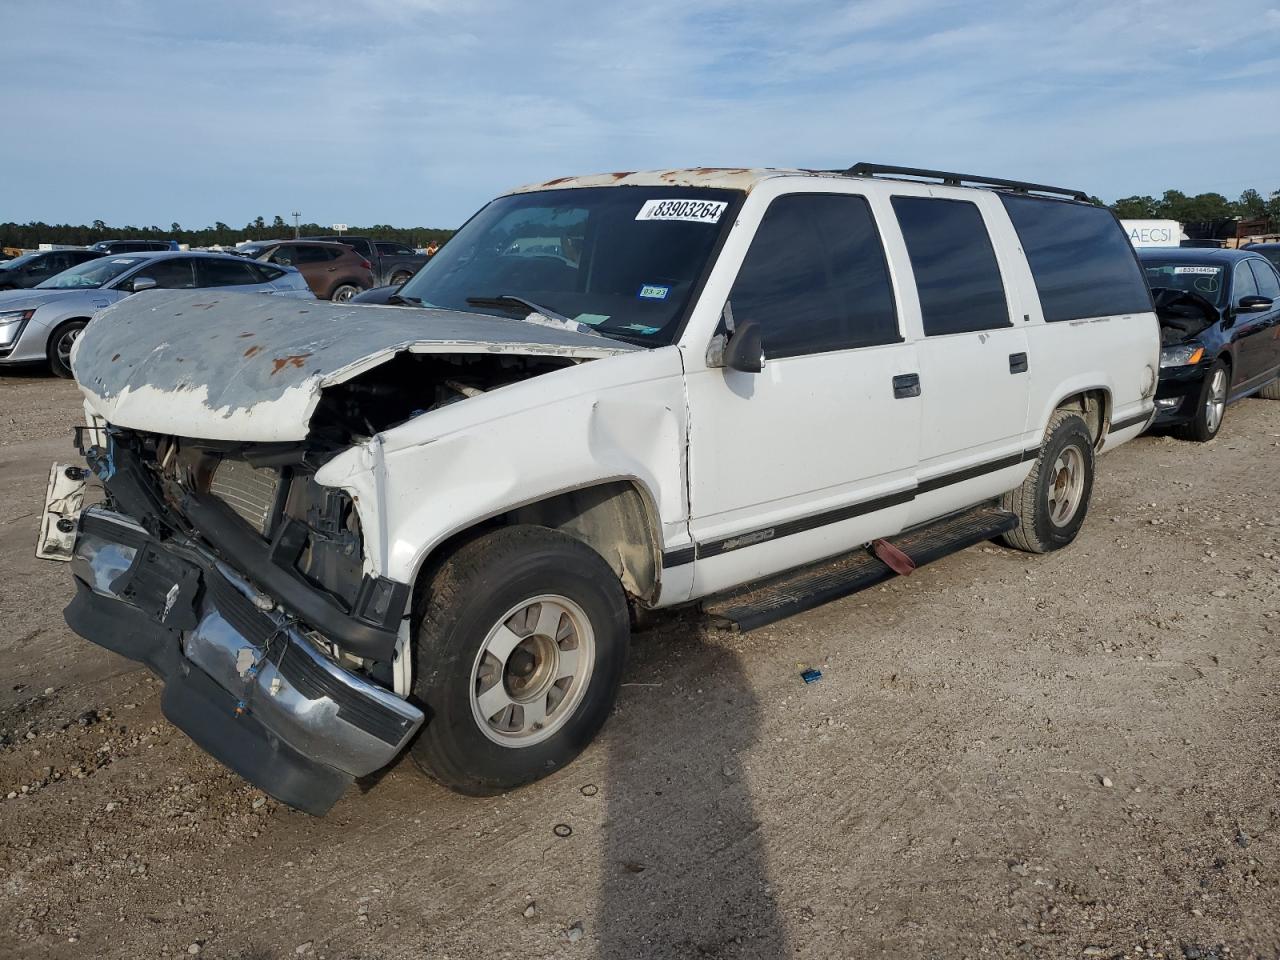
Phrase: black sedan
pixel 1220 333
pixel 23 273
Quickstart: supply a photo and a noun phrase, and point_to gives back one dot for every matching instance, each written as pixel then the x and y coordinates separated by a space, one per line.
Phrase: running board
pixel 773 599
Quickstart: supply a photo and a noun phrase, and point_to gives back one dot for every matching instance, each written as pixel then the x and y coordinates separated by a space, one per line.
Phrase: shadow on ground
pixel 684 871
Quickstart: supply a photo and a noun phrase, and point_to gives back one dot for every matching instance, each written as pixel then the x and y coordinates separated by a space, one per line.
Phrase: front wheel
pixel 344 292
pixel 522 636
pixel 60 344
pixel 399 279
pixel 1204 426
pixel 1052 502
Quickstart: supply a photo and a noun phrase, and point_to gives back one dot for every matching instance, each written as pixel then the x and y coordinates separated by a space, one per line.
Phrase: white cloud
pixel 416 111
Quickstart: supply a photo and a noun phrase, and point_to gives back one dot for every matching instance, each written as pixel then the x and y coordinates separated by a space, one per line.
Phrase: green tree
pixel 1135 208
pixel 1251 206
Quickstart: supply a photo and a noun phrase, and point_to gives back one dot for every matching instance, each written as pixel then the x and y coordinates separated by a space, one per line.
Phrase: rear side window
pixel 954 263
pixel 307 254
pixel 815 277
pixel 1268 284
pixel 171 274
pixel 226 273
pixel 1080 257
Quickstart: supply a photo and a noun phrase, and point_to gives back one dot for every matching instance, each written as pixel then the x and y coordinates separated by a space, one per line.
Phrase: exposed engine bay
pixel 1183 314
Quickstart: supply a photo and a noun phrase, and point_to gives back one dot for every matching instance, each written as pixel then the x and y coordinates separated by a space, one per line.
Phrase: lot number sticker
pixel 695 211
pixel 1207 271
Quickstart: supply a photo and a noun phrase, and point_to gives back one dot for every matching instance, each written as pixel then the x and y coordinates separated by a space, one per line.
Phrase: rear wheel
pixel 521 641
pixel 1212 406
pixel 1271 391
pixel 60 343
pixel 1053 501
pixel 398 278
pixel 344 292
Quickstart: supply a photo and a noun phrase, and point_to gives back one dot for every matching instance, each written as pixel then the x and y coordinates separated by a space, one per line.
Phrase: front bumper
pixel 1178 394
pixel 243 682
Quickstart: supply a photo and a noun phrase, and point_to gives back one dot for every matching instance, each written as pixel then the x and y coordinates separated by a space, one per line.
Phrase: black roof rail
pixel 958 179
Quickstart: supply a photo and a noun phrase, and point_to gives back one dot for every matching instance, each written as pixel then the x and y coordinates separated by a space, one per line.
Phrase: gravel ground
pixel 1006 756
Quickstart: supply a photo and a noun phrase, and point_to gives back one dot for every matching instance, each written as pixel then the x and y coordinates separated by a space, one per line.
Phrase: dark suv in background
pixel 22 273
pixel 333 271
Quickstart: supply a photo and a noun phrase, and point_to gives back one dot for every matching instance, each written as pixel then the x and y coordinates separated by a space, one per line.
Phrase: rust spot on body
pixel 115 358
pixel 256 348
pixel 557 181
pixel 296 359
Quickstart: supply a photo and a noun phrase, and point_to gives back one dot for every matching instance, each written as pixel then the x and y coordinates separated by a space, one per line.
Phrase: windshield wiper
pixel 507 300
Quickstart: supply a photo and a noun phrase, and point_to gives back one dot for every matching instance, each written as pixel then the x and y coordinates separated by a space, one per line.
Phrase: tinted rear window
pixel 954 264
pixel 1080 257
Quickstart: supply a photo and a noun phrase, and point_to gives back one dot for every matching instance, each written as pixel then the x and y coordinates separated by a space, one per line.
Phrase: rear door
pixel 817 452
pixel 974 363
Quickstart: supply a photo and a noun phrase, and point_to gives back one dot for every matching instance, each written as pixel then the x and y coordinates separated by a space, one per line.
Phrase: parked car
pixel 26 271
pixel 1271 251
pixel 743 378
pixel 392 268
pixel 1220 330
pixel 41 325
pixel 133 246
pixel 334 271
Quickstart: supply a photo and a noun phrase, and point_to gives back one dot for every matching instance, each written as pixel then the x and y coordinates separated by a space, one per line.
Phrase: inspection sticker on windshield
pixel 1209 271
pixel 695 211
pixel 654 291
pixel 126 260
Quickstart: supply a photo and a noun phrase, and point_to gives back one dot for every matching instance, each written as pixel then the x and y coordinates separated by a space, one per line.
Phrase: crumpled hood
pixel 250 367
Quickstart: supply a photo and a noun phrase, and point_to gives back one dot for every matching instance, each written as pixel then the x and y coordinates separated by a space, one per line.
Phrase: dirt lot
pixel 1063 756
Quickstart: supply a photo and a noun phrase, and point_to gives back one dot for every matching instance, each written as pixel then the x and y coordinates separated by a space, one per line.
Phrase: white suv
pixel 332 528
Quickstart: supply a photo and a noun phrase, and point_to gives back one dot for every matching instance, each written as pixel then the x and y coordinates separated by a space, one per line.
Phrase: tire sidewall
pixel 55 363
pixel 355 291
pixel 446 661
pixel 1200 425
pixel 1070 432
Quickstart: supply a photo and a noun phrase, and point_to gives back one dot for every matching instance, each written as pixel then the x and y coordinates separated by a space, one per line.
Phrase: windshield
pixel 17 263
pixel 91 273
pixel 1206 279
pixel 623 260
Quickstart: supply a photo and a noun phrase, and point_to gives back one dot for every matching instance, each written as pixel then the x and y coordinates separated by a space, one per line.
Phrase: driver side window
pixel 1244 285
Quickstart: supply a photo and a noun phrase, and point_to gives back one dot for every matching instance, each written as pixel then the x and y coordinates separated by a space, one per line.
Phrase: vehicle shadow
pixel 684 872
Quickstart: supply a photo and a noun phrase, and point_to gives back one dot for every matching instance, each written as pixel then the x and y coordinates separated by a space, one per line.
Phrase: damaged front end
pixel 258 594
pixel 239 580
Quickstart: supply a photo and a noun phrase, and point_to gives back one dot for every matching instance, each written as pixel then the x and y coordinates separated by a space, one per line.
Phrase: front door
pixel 817 452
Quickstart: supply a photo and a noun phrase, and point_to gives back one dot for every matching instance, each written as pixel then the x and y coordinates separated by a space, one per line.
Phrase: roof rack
pixel 957 179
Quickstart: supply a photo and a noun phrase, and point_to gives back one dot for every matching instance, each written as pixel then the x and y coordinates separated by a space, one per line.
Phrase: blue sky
pixel 414 112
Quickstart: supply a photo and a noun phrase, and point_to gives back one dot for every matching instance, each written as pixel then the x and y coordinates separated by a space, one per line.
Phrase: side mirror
pixel 138 284
pixel 745 349
pixel 1254 304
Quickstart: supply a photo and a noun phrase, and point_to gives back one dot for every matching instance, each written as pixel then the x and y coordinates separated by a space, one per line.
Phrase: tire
pixel 1210 412
pixel 1063 470
pixel 399 278
pixel 496 588
pixel 1271 391
pixel 344 292
pixel 59 348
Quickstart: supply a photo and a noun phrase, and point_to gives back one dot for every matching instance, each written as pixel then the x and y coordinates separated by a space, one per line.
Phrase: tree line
pixel 28 236
pixel 1171 205
pixel 1176 205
